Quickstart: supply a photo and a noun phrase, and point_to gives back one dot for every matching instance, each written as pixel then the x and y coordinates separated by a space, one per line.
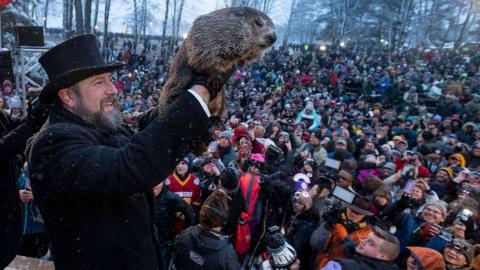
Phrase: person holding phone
pixel 416 229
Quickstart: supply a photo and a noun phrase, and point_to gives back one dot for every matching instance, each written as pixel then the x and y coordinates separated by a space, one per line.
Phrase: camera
pixel 410 201
pixel 465 214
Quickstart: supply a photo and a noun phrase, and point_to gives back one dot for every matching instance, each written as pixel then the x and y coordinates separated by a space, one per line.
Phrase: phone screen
pixel 332 163
pixel 409 186
pixel 343 194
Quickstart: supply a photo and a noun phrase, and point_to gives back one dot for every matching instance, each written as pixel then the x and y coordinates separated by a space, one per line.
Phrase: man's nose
pixel 111 89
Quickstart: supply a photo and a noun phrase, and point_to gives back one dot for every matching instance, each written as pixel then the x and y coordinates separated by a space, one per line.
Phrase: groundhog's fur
pixel 216 43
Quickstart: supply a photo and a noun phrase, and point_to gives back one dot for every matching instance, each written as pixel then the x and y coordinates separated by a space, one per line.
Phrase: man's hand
pixel 25 195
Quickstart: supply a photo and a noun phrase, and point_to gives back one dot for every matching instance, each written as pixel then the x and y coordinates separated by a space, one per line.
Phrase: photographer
pixel 319 154
pixel 345 226
pixel 412 165
pixel 208 175
pixel 301 223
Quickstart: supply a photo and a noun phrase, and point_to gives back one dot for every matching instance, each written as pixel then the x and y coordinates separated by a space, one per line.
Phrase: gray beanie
pixel 391 166
pixel 15 103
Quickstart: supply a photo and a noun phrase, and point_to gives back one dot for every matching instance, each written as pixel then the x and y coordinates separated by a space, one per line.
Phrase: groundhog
pixel 216 43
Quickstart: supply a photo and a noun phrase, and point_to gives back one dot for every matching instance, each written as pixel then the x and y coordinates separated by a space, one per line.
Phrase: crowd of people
pixel 341 158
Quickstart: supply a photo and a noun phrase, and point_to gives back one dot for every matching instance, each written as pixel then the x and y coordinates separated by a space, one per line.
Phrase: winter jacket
pixel 427 258
pixel 227 155
pixel 472 161
pixel 298 234
pixel 13 137
pixel 198 248
pixel 166 205
pixel 313 119
pixel 94 188
pixel 319 153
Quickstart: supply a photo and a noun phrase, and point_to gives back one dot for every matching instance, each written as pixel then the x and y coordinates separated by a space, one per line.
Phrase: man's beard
pixel 110 121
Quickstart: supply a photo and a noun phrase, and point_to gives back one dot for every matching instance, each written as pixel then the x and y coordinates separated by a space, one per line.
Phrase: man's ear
pixel 384 256
pixel 67 98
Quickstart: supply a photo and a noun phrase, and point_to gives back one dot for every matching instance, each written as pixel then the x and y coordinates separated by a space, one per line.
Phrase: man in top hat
pixel 92 180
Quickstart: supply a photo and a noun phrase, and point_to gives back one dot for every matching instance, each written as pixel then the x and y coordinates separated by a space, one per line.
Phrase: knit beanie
pixel 449 171
pixel 281 253
pixel 391 166
pixel 304 198
pixel 189 161
pixel 464 247
pixel 441 205
pixel 15 103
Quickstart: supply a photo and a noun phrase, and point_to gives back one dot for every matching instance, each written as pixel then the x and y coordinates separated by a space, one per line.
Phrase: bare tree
pixel 179 19
pixel 135 20
pixel 144 18
pixel 95 15
pixel 174 20
pixel 67 17
pixel 45 15
pixel 465 24
pixel 88 16
pixel 164 29
pixel 79 16
pixel 105 24
pixel 289 24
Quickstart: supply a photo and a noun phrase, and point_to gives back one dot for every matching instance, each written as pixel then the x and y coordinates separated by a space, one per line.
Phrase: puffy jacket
pixel 198 248
pixel 166 205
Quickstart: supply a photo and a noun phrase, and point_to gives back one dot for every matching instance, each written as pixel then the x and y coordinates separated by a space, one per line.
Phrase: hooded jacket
pixel 427 258
pixel 198 248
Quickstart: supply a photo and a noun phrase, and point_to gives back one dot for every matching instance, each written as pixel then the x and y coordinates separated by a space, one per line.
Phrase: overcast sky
pixel 122 9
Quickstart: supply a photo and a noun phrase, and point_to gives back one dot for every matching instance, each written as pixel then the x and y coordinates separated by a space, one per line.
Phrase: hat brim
pixel 359 210
pixel 49 92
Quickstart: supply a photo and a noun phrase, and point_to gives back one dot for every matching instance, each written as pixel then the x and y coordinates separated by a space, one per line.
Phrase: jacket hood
pixel 205 240
pixel 472 124
pixel 430 259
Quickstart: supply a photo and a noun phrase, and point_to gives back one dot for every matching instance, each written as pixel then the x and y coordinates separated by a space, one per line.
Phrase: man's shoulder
pixel 58 133
pixel 362 262
pixel 61 130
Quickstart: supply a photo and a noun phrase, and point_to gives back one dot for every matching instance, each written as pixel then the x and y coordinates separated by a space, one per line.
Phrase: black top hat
pixel 72 61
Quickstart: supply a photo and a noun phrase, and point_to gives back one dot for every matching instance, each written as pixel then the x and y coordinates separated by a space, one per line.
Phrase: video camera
pixel 328 173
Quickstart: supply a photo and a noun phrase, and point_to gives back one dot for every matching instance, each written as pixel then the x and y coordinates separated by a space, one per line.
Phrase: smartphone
pixel 409 186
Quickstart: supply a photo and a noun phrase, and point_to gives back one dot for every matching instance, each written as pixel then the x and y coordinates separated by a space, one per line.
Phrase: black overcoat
pixel 94 188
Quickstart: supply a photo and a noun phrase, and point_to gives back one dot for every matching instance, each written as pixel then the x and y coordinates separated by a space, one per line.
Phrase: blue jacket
pixel 312 118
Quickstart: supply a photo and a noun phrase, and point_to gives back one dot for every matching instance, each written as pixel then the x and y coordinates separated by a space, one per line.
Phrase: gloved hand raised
pixel 214 83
